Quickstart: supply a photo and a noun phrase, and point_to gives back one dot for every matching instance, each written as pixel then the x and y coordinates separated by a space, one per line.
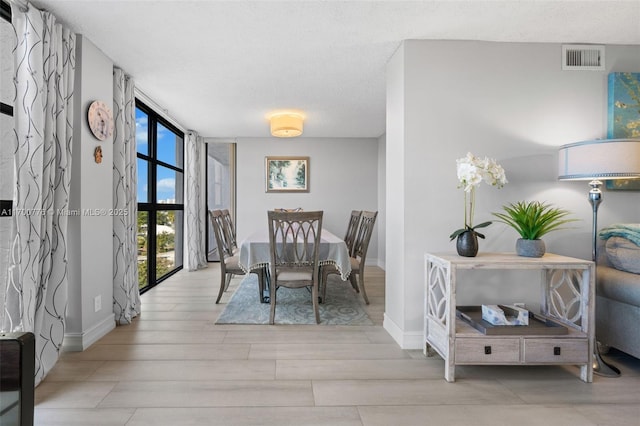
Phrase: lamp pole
pixel 595 197
pixel 600 367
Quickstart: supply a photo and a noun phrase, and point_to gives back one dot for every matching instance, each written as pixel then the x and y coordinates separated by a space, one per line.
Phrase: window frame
pixel 5 13
pixel 151 206
pixel 6 109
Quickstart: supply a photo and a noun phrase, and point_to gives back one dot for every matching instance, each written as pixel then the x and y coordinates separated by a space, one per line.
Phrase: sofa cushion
pixel 623 254
pixel 618 285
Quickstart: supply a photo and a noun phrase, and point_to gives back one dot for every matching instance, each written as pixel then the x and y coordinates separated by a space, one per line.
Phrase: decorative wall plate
pixel 97 154
pixel 100 120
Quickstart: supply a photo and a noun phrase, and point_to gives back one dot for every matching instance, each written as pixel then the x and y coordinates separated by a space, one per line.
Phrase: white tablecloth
pixel 254 252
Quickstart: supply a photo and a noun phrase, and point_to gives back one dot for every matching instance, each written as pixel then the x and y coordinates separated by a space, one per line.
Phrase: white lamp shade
pixel 600 159
pixel 286 125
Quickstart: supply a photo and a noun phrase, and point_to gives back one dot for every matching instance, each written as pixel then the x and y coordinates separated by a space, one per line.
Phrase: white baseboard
pixel 78 342
pixel 406 340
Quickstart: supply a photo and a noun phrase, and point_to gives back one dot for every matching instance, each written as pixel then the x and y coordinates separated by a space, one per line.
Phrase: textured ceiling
pixel 219 67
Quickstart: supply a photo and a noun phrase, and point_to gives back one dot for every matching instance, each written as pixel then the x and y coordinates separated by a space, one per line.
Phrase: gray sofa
pixel 618 295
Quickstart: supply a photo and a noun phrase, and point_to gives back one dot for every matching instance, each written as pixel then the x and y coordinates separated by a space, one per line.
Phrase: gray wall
pixel 509 101
pixel 343 177
pixel 90 236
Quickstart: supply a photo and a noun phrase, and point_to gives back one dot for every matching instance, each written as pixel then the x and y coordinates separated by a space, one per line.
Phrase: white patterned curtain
pixel 126 296
pixel 195 254
pixel 36 288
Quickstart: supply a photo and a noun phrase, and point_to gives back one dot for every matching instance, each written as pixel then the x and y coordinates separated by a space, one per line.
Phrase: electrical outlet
pixel 97 303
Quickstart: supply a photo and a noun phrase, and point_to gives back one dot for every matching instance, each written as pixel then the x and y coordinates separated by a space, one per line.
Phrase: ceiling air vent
pixel 582 57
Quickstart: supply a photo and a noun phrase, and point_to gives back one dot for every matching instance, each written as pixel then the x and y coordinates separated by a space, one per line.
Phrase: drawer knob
pixel 487 350
pixel 556 350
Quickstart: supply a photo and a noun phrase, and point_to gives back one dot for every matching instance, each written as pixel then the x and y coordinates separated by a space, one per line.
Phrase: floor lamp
pixel 605 159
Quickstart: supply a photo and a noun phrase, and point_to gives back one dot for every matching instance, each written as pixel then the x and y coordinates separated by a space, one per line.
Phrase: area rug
pixel 343 306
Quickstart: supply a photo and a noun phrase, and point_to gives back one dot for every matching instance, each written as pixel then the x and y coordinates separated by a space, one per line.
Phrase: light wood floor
pixel 174 366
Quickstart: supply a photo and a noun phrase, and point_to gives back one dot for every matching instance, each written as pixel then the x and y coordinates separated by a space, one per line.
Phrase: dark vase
pixel 467 244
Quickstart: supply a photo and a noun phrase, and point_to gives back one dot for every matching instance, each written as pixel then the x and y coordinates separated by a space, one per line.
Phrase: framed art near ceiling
pixel 287 174
pixel 623 119
pixel 623 105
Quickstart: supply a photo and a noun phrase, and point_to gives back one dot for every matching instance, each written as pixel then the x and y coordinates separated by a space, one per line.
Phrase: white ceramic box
pixel 505 314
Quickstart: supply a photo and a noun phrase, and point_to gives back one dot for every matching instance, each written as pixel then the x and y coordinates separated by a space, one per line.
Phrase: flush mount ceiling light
pixel 286 124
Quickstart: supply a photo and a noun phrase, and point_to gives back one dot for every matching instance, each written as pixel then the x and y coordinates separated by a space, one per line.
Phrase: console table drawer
pixel 556 350
pixel 480 351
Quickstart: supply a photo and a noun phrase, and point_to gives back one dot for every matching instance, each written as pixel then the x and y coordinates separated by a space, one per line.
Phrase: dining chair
pixel 358 257
pixel 230 230
pixel 228 261
pixel 294 241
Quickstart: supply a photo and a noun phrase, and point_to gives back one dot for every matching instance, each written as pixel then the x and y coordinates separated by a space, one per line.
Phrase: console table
pixel 567 297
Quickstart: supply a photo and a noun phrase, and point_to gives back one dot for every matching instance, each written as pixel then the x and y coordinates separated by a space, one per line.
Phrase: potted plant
pixel 472 171
pixel 532 220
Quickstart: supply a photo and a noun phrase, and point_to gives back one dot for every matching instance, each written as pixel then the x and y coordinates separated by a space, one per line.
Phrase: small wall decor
pixel 100 120
pixel 97 154
pixel 287 174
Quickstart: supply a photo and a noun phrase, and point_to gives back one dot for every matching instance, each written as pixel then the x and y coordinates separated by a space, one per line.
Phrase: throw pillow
pixel 623 254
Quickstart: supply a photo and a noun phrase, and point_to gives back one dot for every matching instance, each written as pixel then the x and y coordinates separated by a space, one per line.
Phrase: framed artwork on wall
pixel 623 119
pixel 623 105
pixel 287 174
pixel 623 185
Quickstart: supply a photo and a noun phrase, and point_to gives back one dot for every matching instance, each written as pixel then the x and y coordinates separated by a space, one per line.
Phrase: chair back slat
pixel 229 229
pixel 222 239
pixel 361 244
pixel 352 229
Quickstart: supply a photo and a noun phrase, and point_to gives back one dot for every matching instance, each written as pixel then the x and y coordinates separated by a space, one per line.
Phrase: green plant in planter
pixel 533 219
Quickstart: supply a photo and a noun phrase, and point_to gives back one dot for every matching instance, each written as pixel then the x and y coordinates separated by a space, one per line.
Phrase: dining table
pixel 255 254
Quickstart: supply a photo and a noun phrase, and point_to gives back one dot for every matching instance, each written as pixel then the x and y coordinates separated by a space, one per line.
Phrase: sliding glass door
pixel 220 187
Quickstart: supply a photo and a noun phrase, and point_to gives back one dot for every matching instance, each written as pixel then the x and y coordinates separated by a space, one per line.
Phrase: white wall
pixel 382 196
pixel 90 234
pixel 395 199
pixel 343 176
pixel 510 101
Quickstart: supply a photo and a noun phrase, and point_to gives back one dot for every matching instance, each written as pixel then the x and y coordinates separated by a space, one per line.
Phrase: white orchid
pixel 472 171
